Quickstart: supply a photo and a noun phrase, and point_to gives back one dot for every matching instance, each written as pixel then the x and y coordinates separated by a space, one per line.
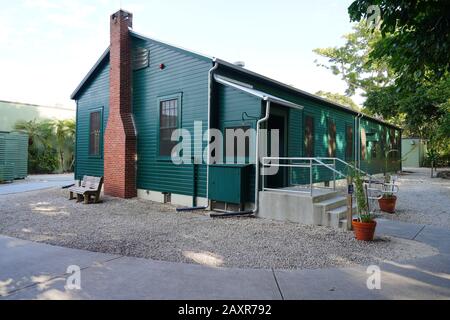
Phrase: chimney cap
pixel 122 13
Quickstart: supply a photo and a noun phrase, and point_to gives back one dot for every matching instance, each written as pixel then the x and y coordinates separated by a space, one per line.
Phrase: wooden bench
pixel 88 187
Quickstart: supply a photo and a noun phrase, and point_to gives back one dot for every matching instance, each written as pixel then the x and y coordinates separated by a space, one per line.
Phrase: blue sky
pixel 46 47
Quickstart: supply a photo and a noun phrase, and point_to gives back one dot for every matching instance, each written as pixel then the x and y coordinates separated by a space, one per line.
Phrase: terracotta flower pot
pixel 364 230
pixel 387 204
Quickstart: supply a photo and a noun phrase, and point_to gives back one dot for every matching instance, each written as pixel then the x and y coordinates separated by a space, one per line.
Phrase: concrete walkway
pixel 36 182
pixel 30 270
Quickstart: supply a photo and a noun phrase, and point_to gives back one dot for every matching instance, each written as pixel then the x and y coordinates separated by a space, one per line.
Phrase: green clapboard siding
pixel 230 109
pixel 94 97
pixel 184 74
pixel 320 111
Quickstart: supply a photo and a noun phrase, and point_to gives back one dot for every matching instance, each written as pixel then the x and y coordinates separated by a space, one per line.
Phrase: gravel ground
pixel 422 199
pixel 151 230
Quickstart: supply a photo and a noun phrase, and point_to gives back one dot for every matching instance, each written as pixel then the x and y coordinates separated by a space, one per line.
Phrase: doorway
pixel 278 120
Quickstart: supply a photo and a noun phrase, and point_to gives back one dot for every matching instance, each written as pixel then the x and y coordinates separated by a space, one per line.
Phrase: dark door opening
pixel 278 180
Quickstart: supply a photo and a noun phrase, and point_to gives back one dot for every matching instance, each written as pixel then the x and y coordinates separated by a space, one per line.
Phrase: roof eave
pixel 310 95
pixel 73 96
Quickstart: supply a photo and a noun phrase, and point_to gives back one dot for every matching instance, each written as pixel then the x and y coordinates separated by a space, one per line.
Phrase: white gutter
pixel 215 66
pixel 258 123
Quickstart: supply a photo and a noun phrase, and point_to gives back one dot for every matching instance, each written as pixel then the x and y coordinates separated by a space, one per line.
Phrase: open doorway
pixel 278 120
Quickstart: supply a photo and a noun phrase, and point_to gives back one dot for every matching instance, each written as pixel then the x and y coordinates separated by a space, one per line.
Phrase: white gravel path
pixel 422 199
pixel 150 230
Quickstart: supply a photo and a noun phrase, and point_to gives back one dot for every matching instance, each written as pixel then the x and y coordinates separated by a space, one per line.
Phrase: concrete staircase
pixel 324 207
pixel 332 207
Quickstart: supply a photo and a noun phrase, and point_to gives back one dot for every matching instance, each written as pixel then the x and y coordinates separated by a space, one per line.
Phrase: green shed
pixel 414 151
pixel 13 156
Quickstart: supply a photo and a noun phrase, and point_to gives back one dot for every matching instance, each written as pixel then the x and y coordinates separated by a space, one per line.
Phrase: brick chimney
pixel 120 136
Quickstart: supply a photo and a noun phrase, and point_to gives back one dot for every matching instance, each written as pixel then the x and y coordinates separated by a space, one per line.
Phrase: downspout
pixel 258 127
pixel 210 73
pixel 255 208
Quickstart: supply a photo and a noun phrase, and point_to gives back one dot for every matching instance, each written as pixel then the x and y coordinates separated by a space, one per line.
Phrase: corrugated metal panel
pixel 13 155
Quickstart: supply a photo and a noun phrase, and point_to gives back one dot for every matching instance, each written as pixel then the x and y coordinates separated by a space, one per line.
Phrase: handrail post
pixel 310 177
pixel 262 173
pixel 334 174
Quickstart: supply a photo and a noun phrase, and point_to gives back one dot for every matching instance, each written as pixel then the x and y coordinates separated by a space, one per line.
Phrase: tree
pixel 415 37
pixel 50 144
pixel 352 61
pixel 339 98
pixel 65 140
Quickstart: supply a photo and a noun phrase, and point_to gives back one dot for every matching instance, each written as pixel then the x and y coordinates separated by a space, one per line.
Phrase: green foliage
pixel 402 67
pixel 338 98
pixel 50 145
pixel 415 37
pixel 361 200
pixel 352 63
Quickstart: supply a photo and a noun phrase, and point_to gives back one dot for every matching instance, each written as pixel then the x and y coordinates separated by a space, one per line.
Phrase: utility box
pixel 228 183
pixel 13 156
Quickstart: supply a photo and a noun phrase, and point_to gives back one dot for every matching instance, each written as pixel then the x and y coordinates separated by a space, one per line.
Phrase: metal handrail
pixel 301 165
pixel 310 162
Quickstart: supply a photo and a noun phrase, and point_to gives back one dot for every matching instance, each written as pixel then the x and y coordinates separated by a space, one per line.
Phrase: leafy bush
pixel 50 145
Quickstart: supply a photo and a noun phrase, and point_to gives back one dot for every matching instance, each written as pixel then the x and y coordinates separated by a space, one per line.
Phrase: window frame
pixel 100 144
pixel 313 136
pixel 175 96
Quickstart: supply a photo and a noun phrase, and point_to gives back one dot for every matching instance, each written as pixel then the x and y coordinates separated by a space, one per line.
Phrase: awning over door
pixel 257 93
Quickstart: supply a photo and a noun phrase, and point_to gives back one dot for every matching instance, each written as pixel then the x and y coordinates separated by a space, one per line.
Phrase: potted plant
pixel 388 199
pixel 364 226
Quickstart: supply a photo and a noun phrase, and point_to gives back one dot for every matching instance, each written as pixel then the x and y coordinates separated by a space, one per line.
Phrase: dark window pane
pixel 168 122
pixel 94 133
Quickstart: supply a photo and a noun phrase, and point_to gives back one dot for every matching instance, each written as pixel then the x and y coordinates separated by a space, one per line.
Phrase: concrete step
pixel 343 223
pixel 325 196
pixel 336 215
pixel 332 203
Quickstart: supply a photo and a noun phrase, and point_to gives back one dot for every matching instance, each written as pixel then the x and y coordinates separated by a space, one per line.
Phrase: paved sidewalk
pixel 36 182
pixel 31 270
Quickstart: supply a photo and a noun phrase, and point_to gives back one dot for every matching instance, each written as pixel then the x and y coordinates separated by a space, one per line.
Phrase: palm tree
pixel 49 140
pixel 65 139
pixel 39 133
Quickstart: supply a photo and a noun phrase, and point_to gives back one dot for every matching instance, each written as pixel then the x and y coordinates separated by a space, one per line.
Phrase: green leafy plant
pixel 50 145
pixel 361 199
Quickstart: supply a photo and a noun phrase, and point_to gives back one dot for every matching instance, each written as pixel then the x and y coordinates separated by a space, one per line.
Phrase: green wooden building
pixel 141 89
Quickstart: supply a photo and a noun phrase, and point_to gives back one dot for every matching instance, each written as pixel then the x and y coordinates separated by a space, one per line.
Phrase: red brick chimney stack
pixel 120 135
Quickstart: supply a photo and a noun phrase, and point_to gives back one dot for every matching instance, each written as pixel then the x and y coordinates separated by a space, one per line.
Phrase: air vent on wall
pixel 141 58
